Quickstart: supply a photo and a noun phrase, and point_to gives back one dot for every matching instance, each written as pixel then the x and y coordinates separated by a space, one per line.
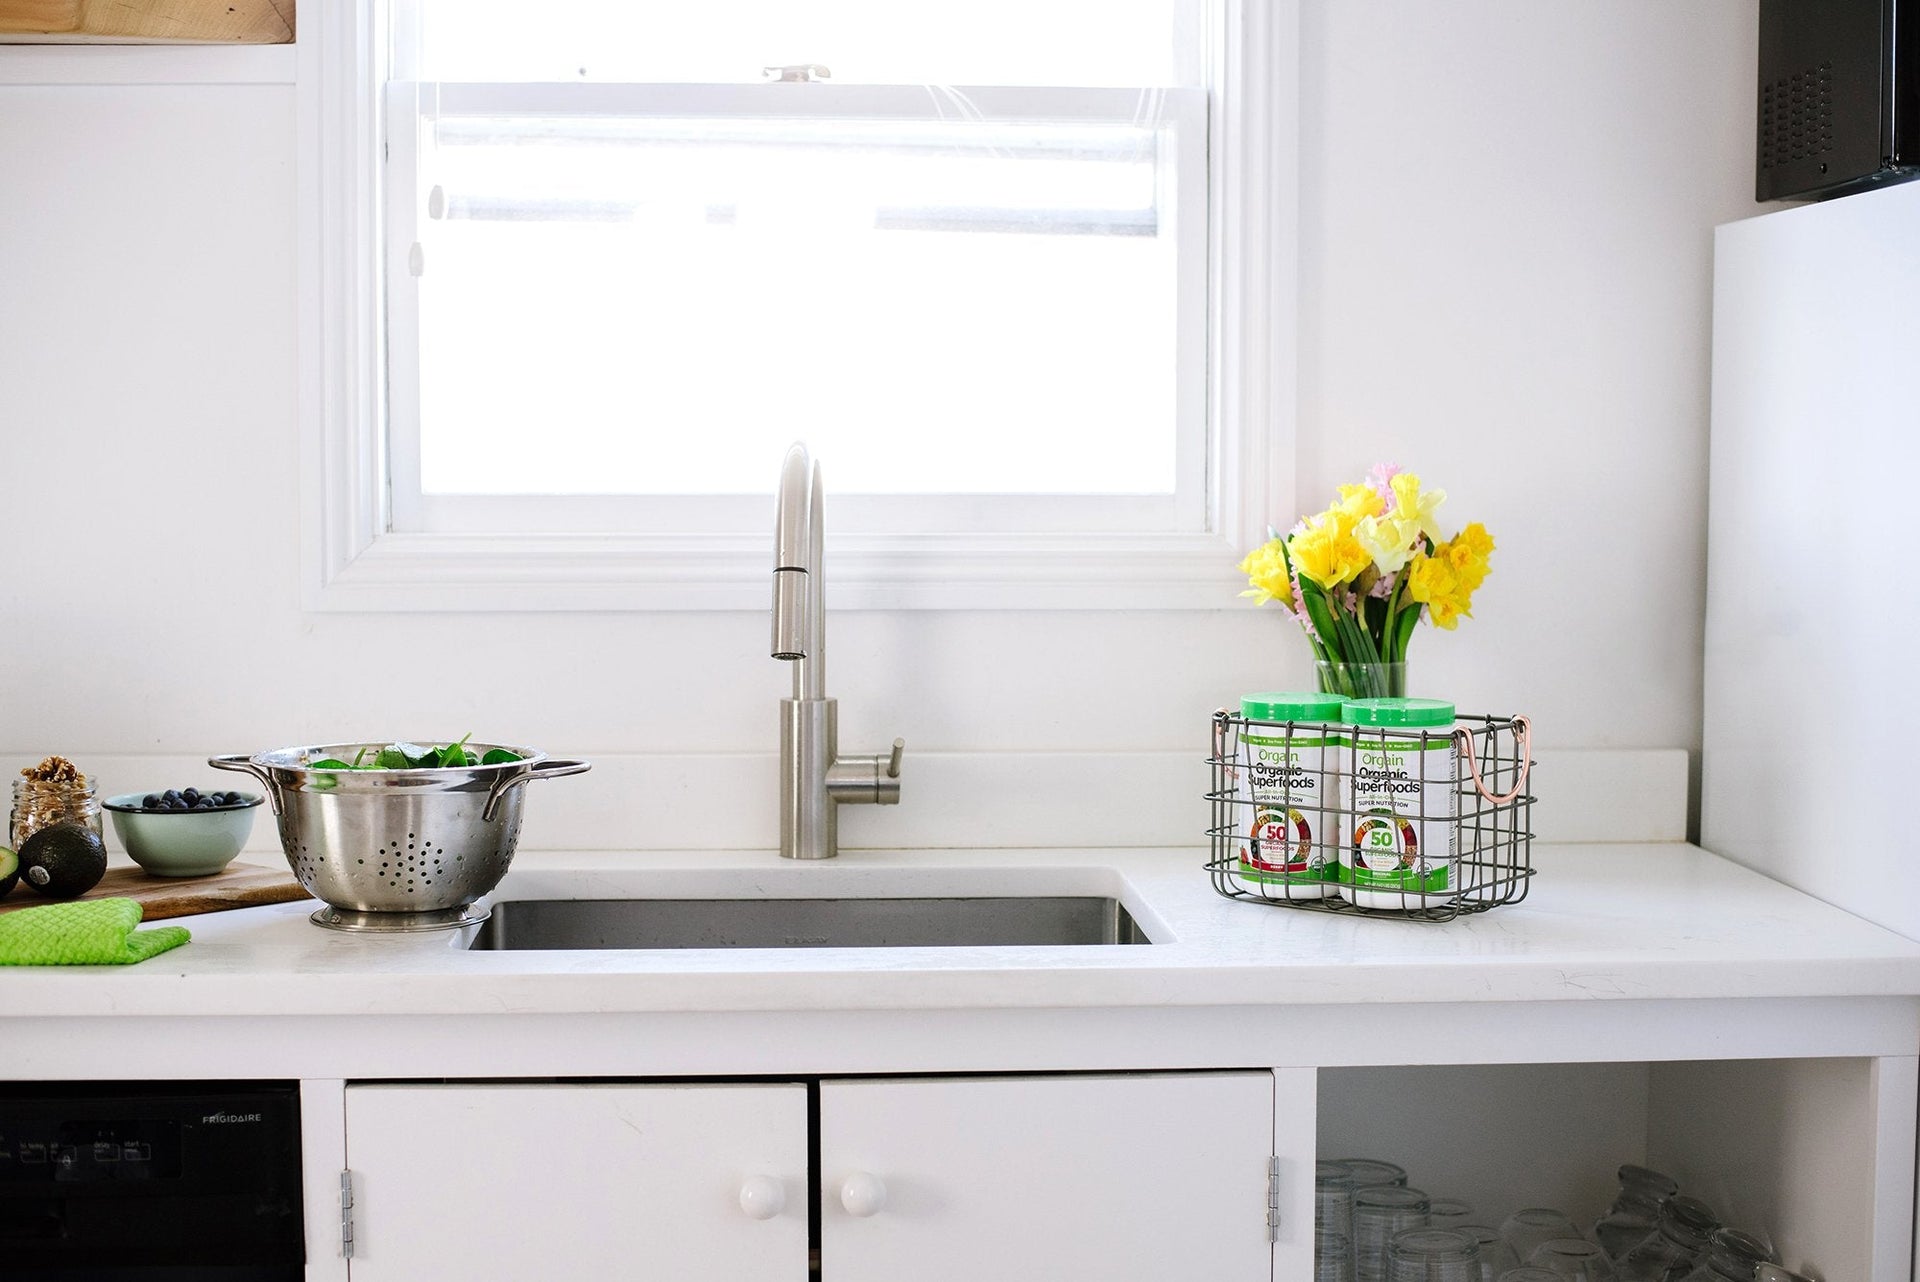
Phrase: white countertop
pixel 1600 923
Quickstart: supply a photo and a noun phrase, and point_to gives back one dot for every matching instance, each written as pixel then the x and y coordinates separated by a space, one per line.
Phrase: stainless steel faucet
pixel 815 781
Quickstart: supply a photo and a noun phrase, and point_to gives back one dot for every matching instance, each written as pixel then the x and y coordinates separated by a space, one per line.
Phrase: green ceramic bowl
pixel 181 843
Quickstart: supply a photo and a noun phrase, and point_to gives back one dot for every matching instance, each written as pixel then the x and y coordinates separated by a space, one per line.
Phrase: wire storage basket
pixel 1331 818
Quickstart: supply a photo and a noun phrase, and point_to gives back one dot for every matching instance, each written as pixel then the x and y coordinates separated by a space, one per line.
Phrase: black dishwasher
pixel 150 1181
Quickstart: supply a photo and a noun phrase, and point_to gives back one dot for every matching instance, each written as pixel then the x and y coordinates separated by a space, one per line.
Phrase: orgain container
pixel 1402 779
pixel 1288 762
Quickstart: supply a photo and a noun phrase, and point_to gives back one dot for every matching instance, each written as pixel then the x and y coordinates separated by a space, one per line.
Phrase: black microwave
pixel 1839 97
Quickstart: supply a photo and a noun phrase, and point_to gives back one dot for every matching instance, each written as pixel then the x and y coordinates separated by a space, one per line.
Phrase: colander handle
pixel 540 770
pixel 244 764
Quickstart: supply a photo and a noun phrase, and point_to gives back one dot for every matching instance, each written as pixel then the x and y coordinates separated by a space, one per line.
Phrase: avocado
pixel 9 871
pixel 63 861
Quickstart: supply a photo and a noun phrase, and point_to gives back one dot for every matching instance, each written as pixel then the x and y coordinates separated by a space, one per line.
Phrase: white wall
pixel 1506 214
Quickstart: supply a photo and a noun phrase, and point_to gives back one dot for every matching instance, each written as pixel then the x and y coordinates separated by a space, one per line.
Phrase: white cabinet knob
pixel 763 1197
pixel 863 1194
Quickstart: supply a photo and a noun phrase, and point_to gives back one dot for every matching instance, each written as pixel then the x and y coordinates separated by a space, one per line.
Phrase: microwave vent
pixel 1796 117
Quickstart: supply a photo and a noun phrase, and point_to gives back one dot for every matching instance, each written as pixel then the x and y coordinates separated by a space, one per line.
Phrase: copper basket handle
pixel 1523 734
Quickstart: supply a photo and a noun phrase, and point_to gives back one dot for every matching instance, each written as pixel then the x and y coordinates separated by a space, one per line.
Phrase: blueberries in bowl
pixel 193 799
pixel 182 832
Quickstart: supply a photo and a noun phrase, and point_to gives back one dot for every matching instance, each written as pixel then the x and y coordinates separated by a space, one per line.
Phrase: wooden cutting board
pixel 235 886
pixel 199 21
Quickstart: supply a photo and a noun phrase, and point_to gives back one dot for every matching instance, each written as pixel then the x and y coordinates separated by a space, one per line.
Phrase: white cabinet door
pixel 1119 1178
pixel 516 1182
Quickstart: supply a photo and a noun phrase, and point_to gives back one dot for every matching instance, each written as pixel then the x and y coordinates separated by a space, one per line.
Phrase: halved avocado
pixel 9 871
pixel 63 861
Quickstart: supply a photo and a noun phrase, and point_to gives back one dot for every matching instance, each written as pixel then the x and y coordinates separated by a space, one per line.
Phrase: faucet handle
pixel 869 779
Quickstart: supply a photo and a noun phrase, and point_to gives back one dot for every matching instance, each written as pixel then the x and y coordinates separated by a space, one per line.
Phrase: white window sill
pixel 74 63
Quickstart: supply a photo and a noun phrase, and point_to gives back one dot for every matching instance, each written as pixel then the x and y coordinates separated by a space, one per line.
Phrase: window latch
pixel 797 74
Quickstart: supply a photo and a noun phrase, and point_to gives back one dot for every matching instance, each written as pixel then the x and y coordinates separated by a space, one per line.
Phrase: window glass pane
pixel 635 305
pixel 979 42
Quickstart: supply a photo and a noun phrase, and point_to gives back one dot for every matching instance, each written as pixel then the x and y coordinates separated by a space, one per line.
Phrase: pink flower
pixel 1381 479
pixel 1299 608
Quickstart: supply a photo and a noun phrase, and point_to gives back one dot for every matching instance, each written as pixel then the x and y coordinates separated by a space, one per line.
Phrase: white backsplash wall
pixel 1506 241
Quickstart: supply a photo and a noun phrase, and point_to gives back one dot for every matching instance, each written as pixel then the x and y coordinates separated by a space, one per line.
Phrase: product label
pixel 1404 804
pixel 1285 781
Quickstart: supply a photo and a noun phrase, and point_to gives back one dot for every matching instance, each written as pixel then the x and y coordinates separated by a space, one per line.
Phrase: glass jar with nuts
pixel 52 792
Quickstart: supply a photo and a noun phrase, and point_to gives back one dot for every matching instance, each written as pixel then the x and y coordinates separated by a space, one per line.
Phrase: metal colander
pixel 397 849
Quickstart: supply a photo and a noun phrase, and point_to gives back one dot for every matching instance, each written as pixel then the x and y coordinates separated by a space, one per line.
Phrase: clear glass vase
pixel 1362 680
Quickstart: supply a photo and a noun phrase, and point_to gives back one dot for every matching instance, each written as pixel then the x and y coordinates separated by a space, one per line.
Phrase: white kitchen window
pixel 1017 279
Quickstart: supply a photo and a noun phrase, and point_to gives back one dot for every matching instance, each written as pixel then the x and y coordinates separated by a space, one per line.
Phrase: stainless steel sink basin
pixel 807 923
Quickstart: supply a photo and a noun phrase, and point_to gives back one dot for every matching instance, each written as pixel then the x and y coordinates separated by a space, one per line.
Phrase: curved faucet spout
pixel 815 780
pixel 799 613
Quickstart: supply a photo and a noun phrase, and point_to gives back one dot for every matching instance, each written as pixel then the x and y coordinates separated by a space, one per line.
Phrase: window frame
pixel 352 560
pixel 1182 155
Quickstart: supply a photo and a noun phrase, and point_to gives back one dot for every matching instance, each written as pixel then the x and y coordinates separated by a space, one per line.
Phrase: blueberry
pixel 191 794
pixel 171 794
pixel 150 802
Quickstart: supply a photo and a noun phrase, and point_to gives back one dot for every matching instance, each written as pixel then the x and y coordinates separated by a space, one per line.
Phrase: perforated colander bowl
pixel 394 850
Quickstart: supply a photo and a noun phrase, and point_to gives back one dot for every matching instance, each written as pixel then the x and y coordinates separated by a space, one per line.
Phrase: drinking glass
pixel 1731 1256
pixel 1333 1186
pixel 1676 1244
pixel 1635 1212
pixel 1331 1260
pixel 1573 1257
pixel 1371 1170
pixel 1432 1255
pixel 1496 1257
pixel 1379 1212
pixel 1528 1227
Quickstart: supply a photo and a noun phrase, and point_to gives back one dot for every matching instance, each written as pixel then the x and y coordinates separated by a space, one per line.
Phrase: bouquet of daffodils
pixel 1361 574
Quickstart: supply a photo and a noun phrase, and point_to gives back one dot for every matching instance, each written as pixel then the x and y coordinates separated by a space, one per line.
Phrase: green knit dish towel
pixel 93 932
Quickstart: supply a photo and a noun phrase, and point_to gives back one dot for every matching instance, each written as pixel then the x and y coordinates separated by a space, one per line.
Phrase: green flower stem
pixel 1394 649
pixel 1361 673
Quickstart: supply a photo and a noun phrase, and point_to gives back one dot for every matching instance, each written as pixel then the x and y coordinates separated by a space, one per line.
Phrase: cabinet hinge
pixel 346 1215
pixel 1273 1198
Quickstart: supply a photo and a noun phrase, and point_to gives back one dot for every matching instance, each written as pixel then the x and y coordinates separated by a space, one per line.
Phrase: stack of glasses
pixel 1371 1226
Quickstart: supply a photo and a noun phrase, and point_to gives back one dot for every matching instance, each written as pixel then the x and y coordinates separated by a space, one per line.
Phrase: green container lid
pixel 1400 714
pixel 1292 705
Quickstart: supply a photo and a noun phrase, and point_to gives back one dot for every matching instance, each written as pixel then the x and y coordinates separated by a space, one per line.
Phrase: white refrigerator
pixel 1811 740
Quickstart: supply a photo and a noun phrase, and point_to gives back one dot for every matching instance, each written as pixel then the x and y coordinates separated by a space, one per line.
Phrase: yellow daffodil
pixel 1446 615
pixel 1446 580
pixel 1467 554
pixel 1266 571
pixel 1371 565
pixel 1431 582
pixel 1475 537
pixel 1389 542
pixel 1360 502
pixel 1327 553
pixel 1413 508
